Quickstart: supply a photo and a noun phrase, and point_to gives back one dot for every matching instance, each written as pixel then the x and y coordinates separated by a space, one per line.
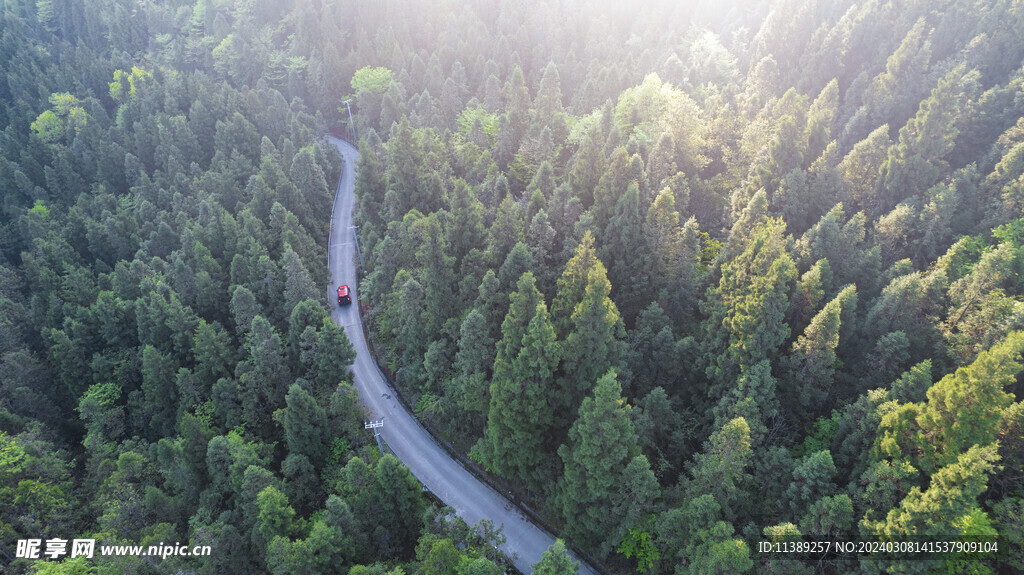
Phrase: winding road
pixel 445 477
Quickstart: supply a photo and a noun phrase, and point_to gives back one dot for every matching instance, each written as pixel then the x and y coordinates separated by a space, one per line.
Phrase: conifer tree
pixel 556 561
pixel 587 169
pixel 398 495
pixel 473 363
pixel 333 355
pixel 298 285
pixel 520 415
pixel 305 425
pixel 572 284
pixel 263 377
pixel 720 470
pixel 613 184
pixel 465 230
pixel 948 508
pixel 812 364
pixel 506 231
pixel 746 311
pixel 158 386
pixel 963 409
pixel 244 308
pixel 601 445
pixel 595 343
pixel 627 254
pixel 213 353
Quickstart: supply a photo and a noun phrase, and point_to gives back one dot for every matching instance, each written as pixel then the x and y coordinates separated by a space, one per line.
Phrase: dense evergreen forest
pixel 688 278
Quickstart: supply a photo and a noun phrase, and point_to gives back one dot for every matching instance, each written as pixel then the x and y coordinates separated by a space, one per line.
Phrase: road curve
pixel 458 488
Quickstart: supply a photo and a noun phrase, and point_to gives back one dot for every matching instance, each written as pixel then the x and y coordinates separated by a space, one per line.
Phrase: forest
pixel 685 279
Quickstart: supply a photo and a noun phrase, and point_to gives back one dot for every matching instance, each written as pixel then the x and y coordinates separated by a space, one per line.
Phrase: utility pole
pixel 358 251
pixel 350 122
pixel 375 426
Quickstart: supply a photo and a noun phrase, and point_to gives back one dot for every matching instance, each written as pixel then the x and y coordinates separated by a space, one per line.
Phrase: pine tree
pixel 572 284
pixel 305 425
pixel 948 508
pixel 601 445
pixel 861 167
pixel 436 267
pixel 540 237
pixel 333 355
pixel 963 409
pixel 662 232
pixel 814 284
pixel 695 539
pixel 596 343
pixel 812 364
pixel 506 231
pixel 634 502
pixel 518 262
pixel 979 306
pixel 587 168
pixel 158 386
pixel 915 162
pixel 556 561
pixel 719 470
pixel 244 308
pixel 298 285
pixel 812 479
pixel 753 398
pixel 629 260
pixel 276 517
pixel 473 363
pixel 400 503
pixel 746 311
pixel 616 180
pixel 465 230
pixel 370 185
pixel 263 377
pixel 520 415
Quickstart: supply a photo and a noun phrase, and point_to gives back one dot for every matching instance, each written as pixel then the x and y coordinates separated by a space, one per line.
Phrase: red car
pixel 344 298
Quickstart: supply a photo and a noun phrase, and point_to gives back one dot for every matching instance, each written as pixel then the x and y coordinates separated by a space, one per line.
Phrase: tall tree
pixel 305 425
pixel 520 414
pixel 602 443
pixel 812 364
pixel 630 262
pixel 746 311
pixel 596 342
pixel 473 363
pixel 556 561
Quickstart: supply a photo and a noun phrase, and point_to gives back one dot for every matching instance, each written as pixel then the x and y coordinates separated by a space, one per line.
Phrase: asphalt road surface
pixel 445 477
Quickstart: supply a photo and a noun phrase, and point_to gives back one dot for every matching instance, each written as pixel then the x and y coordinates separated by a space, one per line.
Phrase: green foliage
pixel 524 369
pixel 76 566
pixel 720 470
pixel 595 332
pixel 134 79
pixel 963 410
pixel 598 458
pixel 637 543
pixel 822 436
pixel 49 126
pixel 469 118
pixel 746 311
pixel 165 357
pixel 556 561
pixel 305 425
pixel 371 79
pixel 12 455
